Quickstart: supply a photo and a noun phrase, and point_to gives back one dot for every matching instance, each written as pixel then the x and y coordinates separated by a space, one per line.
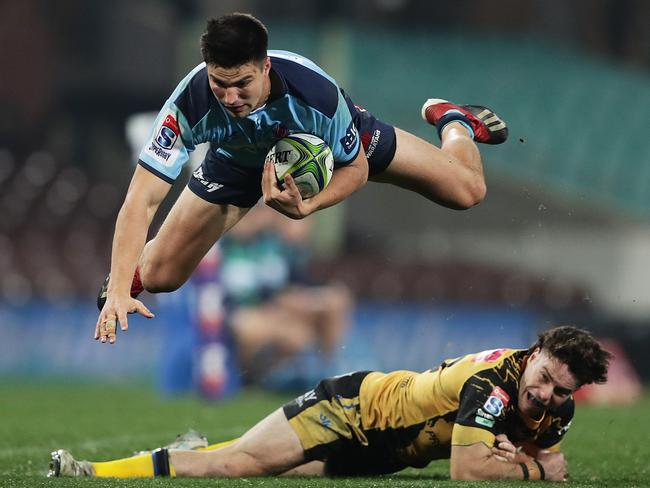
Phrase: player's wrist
pixel 532 470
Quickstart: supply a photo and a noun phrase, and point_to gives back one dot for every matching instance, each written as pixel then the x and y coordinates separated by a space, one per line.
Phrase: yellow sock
pixel 219 445
pixel 133 467
pixel 140 466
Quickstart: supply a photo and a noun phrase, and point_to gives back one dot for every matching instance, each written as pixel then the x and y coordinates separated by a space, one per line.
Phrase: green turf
pixel 605 447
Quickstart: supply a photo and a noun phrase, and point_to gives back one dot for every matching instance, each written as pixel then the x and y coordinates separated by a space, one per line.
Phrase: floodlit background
pixel 563 236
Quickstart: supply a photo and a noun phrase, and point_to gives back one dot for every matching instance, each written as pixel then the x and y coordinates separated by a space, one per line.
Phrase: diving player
pixel 498 414
pixel 241 100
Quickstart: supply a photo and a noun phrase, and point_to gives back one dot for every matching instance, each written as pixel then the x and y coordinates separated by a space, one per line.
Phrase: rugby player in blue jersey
pixel 241 100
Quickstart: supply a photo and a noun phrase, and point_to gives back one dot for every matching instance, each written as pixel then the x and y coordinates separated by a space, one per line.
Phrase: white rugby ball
pixel 307 158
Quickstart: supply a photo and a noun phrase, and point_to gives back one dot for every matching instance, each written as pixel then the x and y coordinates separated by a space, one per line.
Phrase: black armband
pixel 542 473
pixel 524 468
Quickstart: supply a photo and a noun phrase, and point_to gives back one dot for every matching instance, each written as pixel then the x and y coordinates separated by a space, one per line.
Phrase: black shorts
pixel 327 420
pixel 220 181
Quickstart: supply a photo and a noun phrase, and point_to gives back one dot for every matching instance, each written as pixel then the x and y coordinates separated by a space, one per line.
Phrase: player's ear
pixel 266 67
pixel 534 354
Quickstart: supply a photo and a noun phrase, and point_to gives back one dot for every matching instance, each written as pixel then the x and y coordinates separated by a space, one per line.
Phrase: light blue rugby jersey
pixel 310 102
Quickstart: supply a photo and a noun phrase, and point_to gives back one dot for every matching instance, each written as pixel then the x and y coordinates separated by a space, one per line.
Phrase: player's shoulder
pixel 484 370
pixel 305 80
pixel 193 96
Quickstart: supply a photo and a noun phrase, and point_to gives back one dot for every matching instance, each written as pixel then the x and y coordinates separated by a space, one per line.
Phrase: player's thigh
pixel 192 226
pixel 416 163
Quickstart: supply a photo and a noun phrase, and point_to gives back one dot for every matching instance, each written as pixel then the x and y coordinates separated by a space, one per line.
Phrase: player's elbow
pixel 362 175
pixel 458 472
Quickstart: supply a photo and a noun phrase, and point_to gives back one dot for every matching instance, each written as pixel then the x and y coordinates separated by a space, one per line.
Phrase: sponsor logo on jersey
pixel 325 422
pixel 370 141
pixel 482 413
pixel 168 133
pixel 488 356
pixel 310 395
pixel 500 392
pixel 350 138
pixel 483 421
pixel 164 155
pixel 210 186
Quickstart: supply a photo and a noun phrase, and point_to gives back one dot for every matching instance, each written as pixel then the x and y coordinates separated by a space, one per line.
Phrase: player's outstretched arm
pixel 479 462
pixel 144 195
pixel 345 180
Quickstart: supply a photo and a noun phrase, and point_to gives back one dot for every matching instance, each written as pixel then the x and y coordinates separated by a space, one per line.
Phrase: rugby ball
pixel 307 158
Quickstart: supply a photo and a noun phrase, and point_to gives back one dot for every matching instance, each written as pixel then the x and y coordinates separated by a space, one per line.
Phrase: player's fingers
pixel 143 310
pixel 290 185
pixel 124 322
pixel 506 446
pixel 268 179
pixel 110 328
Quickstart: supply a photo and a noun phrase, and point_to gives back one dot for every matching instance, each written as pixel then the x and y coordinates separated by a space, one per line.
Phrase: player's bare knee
pixel 474 194
pixel 156 280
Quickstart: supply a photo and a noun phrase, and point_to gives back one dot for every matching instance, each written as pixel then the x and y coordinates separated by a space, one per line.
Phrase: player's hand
pixel 288 201
pixel 506 451
pixel 115 311
pixel 554 464
pixel 503 449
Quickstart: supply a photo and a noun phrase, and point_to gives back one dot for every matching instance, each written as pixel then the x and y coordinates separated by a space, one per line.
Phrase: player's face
pixel 545 384
pixel 241 89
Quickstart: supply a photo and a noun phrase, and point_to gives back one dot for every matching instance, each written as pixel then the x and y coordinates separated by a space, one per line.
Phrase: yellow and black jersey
pixel 373 422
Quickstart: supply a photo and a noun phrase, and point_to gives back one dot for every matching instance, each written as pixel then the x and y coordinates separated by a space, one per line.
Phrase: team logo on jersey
pixel 496 402
pixel 168 133
pixel 349 140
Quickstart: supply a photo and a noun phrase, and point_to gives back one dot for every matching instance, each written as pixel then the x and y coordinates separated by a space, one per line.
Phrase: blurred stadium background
pixel 561 238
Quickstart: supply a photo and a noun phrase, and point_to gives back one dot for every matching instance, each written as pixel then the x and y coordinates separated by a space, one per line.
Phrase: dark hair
pixel 578 349
pixel 234 39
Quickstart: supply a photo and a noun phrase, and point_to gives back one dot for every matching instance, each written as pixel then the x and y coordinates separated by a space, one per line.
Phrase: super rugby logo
pixel 496 402
pixel 168 133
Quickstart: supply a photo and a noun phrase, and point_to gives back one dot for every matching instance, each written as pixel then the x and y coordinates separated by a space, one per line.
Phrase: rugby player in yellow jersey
pixel 498 414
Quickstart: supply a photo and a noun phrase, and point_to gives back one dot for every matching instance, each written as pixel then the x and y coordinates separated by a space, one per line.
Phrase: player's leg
pixel 451 175
pixel 187 233
pixel 217 196
pixel 270 448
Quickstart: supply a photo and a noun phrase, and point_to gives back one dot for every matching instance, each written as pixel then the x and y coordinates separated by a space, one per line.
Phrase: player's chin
pixel 239 110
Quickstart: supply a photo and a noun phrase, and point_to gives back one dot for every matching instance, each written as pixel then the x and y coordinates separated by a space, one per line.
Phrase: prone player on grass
pixel 499 414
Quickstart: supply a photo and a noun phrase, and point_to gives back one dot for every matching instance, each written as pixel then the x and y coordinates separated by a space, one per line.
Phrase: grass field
pixel 605 447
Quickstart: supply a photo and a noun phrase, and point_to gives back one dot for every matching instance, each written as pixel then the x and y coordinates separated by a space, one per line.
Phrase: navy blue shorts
pixel 220 181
